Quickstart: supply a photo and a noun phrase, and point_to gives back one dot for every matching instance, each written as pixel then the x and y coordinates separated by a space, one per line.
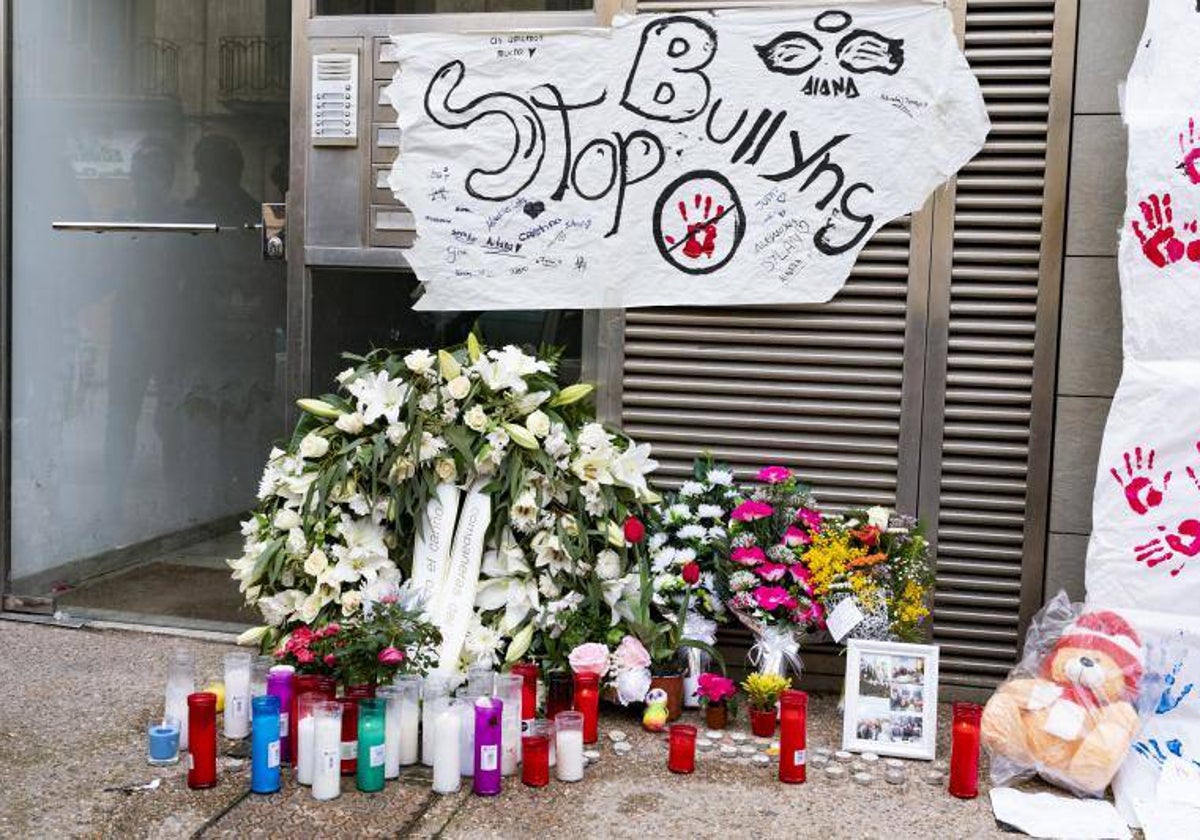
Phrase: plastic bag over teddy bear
pixel 1069 710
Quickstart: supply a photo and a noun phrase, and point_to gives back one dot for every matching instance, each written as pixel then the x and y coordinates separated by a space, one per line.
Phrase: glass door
pixel 147 365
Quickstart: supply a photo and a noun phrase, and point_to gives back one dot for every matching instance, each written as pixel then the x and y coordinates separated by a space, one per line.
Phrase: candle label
pixel 349 750
pixel 239 706
pixel 798 757
pixel 376 755
pixel 283 724
pixel 273 754
pixel 488 757
pixel 191 761
pixel 330 759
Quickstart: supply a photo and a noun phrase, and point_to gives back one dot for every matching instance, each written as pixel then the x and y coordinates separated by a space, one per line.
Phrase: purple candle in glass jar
pixel 489 713
pixel 279 684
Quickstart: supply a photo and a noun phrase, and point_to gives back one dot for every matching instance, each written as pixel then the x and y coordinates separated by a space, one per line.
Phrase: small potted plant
pixel 718 696
pixel 762 693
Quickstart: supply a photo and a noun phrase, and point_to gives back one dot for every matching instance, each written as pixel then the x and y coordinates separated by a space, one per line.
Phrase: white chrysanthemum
pixel 679 512
pixel 428 402
pixel 657 540
pixel 557 445
pixel 692 531
pixel 431 446
pixel 691 488
pixel 710 512
pixel 608 565
pixel 721 478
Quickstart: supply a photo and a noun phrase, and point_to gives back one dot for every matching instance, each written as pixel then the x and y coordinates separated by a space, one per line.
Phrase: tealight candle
pixel 409 686
pixel 164 742
pixel 714 734
pixel 237 695
pixel 568 736
pixel 870 759
pixel 760 760
pixel 893 764
pixel 738 737
pixel 933 777
pixel 509 688
pixel 835 773
pixel 704 744
pixel 819 761
pixel 843 757
pixel 489 716
pixel 590 757
pixel 863 778
pixel 327 757
pixel 825 751
pixel 747 749
pixel 728 751
pixel 894 777
pixel 622 748
pixel 264 743
pixel 447 722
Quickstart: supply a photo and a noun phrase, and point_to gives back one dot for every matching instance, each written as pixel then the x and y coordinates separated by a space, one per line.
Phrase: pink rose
pixel 774 475
pixel 589 658
pixel 750 555
pixel 330 660
pixel 771 571
pixel 305 656
pixel 771 598
pixel 751 510
pixel 390 656
pixel 389 598
pixel 810 518
pixel 794 537
pixel 629 654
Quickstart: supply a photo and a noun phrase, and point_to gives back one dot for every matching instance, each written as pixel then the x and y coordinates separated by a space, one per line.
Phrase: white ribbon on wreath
pixel 454 600
pixel 431 547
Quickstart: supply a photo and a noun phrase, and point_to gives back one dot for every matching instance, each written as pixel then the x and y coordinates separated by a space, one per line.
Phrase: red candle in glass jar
pixel 964 751
pixel 560 693
pixel 682 756
pixel 202 739
pixel 587 703
pixel 349 735
pixel 793 724
pixel 535 753
pixel 528 671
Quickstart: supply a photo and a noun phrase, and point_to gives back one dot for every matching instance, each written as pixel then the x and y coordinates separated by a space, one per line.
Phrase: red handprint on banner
pixel 1158 239
pixel 1141 494
pixel 1193 473
pixel 1190 146
pixel 1181 544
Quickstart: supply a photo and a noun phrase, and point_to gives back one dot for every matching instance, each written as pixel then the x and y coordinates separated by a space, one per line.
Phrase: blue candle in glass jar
pixel 264 744
pixel 164 741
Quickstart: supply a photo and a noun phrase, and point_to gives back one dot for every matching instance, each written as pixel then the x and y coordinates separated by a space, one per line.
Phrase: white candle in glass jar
pixel 327 758
pixel 391 731
pixel 569 758
pixel 410 724
pixel 237 696
pixel 446 727
pixel 431 691
pixel 466 734
pixel 306 747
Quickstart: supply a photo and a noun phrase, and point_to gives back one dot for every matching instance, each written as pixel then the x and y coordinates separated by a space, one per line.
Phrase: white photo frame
pixel 891 699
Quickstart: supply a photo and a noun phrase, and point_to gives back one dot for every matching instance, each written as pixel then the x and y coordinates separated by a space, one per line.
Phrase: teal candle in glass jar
pixel 371 750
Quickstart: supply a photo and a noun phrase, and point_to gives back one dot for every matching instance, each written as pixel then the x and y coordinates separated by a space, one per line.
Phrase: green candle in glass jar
pixel 371 750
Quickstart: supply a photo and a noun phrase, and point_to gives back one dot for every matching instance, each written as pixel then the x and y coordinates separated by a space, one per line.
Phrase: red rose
pixel 635 531
pixel 691 573
pixel 330 660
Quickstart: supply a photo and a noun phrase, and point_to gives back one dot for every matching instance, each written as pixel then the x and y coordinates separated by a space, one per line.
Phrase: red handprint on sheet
pixel 1193 473
pixel 1141 494
pixel 1160 244
pixel 1190 146
pixel 701 236
pixel 1181 544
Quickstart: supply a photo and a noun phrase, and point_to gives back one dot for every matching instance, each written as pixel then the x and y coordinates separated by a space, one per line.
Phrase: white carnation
pixel 691 488
pixel 313 445
pixel 286 519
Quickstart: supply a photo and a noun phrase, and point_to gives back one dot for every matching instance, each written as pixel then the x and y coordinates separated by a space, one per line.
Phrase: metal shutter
pixel 995 302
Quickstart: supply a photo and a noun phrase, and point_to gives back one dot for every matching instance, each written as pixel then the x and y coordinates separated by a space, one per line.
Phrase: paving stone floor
pixel 75 703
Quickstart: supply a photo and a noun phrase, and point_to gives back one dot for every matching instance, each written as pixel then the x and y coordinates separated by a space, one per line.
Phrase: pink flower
pixel 751 510
pixel 750 555
pixel 389 598
pixel 589 658
pixel 390 656
pixel 774 475
pixel 630 654
pixel 794 537
pixel 800 573
pixel 815 614
pixel 330 660
pixel 714 688
pixel 810 518
pixel 771 571
pixel 771 598
pixel 329 630
pixel 305 656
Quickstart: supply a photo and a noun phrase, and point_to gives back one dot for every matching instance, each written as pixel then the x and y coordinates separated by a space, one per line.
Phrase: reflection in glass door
pixel 147 368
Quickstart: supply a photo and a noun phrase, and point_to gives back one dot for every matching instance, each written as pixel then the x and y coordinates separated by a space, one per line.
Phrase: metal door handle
pixel 142 227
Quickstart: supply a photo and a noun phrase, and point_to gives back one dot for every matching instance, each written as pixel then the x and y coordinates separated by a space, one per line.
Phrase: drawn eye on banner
pixel 713 159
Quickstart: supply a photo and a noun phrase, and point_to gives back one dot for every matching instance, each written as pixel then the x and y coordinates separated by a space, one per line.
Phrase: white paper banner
pixel 454 601
pixel 431 548
pixel 735 157
pixel 1145 546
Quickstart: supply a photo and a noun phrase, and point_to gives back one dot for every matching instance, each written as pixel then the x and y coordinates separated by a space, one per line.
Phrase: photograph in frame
pixel 891 699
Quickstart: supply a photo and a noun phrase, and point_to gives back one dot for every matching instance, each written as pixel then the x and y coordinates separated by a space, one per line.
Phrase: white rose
pixel 396 432
pixel 351 601
pixel 316 563
pixel 608 565
pixel 351 424
pixel 420 361
pixel 476 418
pixel 538 423
pixel 313 446
pixel 458 387
pixel 445 469
pixel 286 519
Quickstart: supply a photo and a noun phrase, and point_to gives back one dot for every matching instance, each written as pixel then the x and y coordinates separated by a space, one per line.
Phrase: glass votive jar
pixel 327 758
pixel 408 687
pixel 431 689
pixel 202 751
pixel 265 776
pixel 304 743
pixel 682 755
pixel 372 747
pixel 587 703
pixel 447 726
pixel 560 693
pixel 181 681
pixel 481 680
pixel 964 750
pixel 260 666
pixel 489 716
pixel 535 753
pixel 509 688
pixel 529 672
pixel 163 738
pixel 237 695
pixel 568 740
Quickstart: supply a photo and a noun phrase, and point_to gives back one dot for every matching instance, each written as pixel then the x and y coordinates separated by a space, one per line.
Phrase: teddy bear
pixel 1073 724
